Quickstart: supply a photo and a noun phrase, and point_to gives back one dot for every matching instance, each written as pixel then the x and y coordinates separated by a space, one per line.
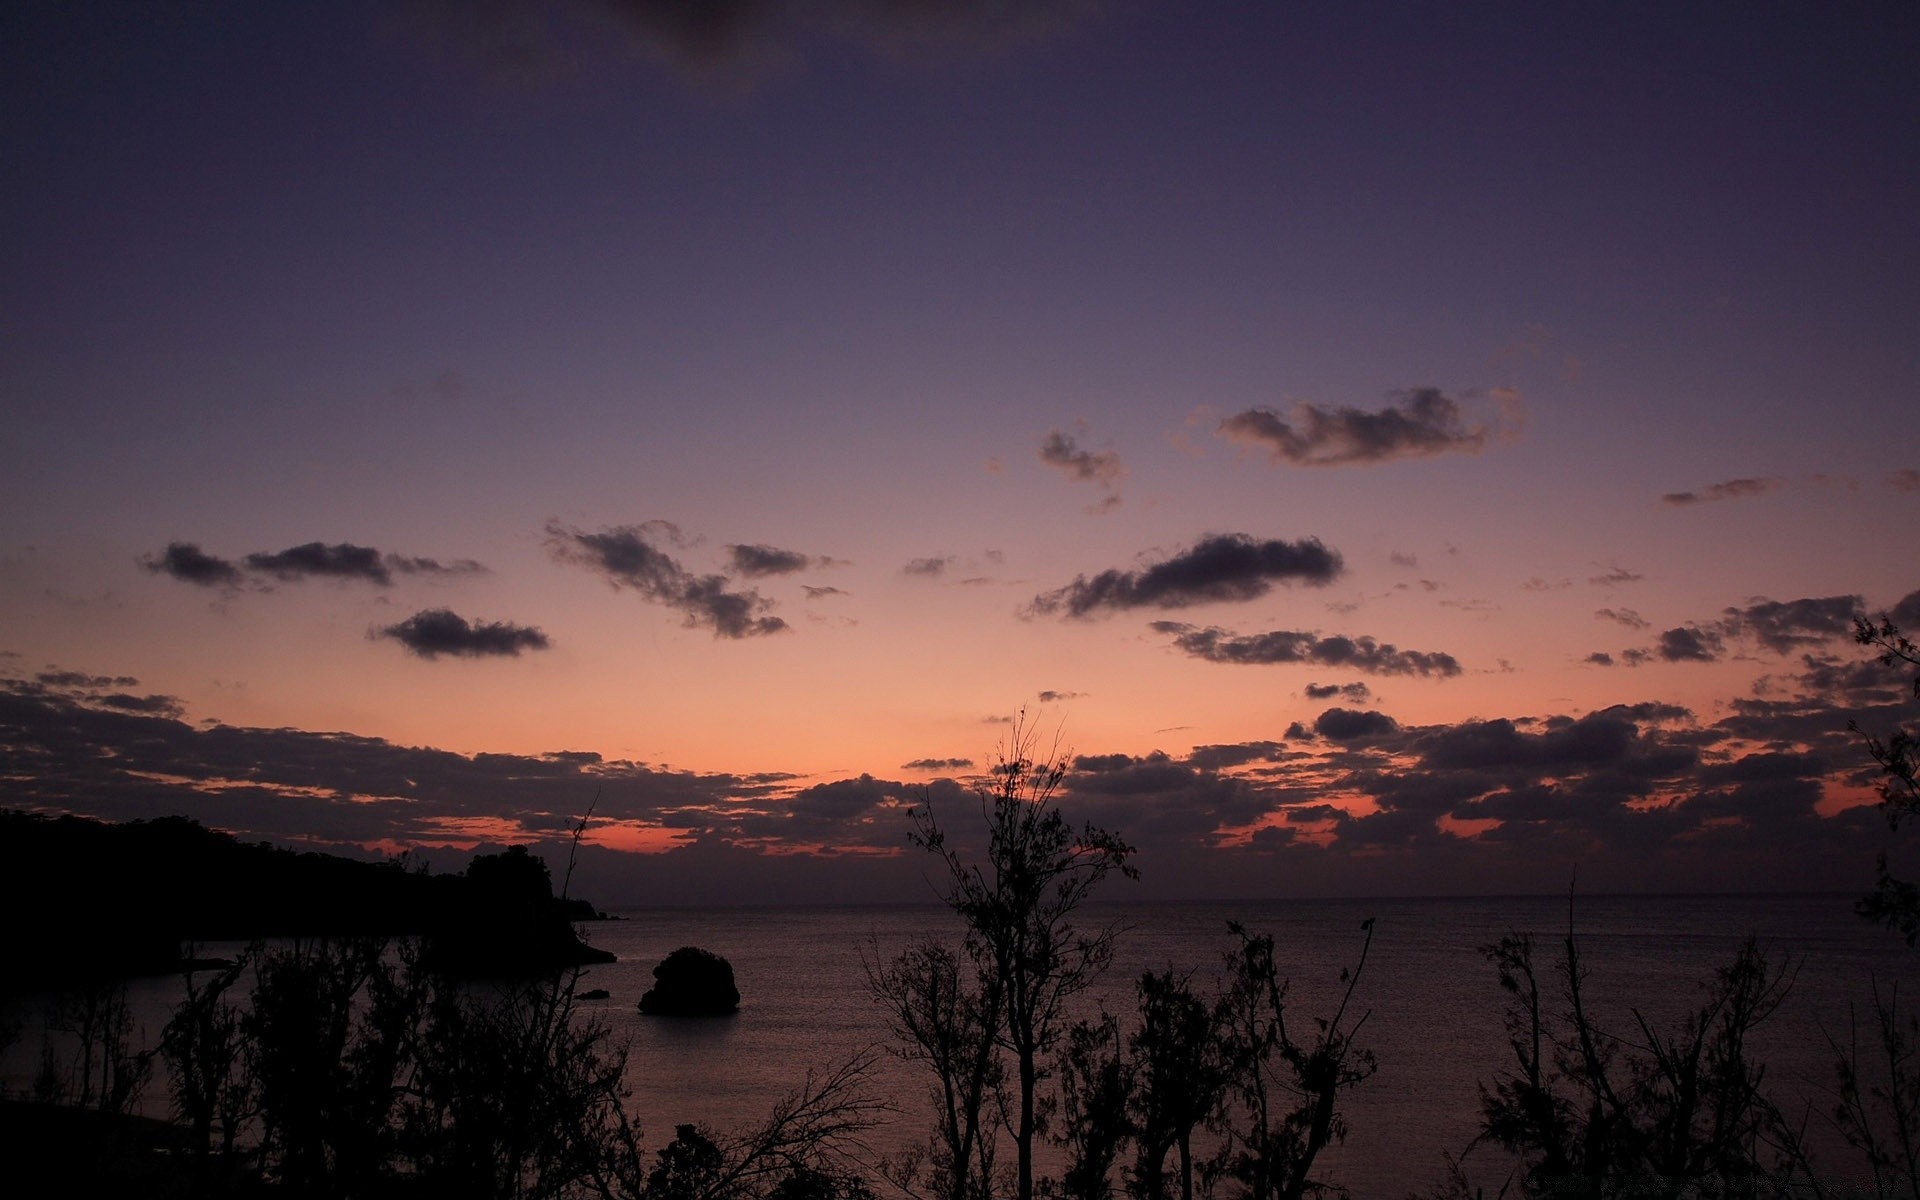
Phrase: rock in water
pixel 691 982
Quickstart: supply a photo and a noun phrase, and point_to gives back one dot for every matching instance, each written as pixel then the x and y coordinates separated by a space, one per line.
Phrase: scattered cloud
pixel 1599 658
pixel 1353 725
pixel 928 568
pixel 1051 697
pixel 433 632
pixel 758 561
pixel 626 557
pixel 1784 626
pixel 1622 616
pixel 1359 693
pixel 1292 646
pixel 821 593
pixel 1689 643
pixel 938 764
pixel 186 562
pixel 1421 422
pixel 1906 479
pixel 1731 489
pixel 1219 567
pixel 1104 469
pixel 1615 576
pixel 1403 560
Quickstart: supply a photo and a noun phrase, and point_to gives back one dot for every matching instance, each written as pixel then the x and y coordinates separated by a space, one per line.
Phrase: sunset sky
pixel 1406 448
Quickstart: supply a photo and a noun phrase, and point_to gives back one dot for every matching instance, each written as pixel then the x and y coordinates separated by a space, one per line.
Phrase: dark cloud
pixel 928 568
pixel 1219 567
pixel 626 557
pixel 1051 697
pixel 938 764
pixel 757 560
pixel 1622 616
pixel 1688 643
pixel 1906 614
pixel 1293 646
pixel 436 631
pixel 343 560
pixel 82 680
pixel 1423 421
pixel 1732 489
pixel 1353 725
pixel 1103 469
pixel 186 562
pixel 1599 658
pixel 1783 626
pixel 1357 692
pixel 821 593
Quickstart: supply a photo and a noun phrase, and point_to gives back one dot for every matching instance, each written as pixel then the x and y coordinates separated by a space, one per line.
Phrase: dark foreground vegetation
pixel 365 1066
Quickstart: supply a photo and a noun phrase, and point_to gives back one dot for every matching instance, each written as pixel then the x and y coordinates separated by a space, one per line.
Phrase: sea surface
pixel 1432 1002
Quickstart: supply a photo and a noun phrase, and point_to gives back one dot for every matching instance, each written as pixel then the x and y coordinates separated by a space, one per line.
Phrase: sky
pixel 1386 449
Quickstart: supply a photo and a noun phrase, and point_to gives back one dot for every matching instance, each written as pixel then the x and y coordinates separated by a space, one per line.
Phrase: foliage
pixel 205 1050
pixel 943 1014
pixel 1589 1112
pixel 1894 902
pixel 1096 1091
pixel 1018 901
pixel 1878 1105
pixel 1285 1090
pixel 1179 1078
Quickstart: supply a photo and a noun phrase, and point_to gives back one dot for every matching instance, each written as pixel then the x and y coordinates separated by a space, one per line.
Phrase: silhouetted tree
pixel 1018 902
pixel 1096 1087
pixel 1894 902
pixel 206 1054
pixel 1588 1112
pixel 944 1014
pixel 1285 1090
pixel 1179 1079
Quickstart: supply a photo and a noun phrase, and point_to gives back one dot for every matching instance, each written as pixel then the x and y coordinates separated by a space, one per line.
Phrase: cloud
pixel 1357 692
pixel 1614 577
pixel 1782 626
pixel 821 593
pixel 1906 614
pixel 1906 479
pixel 1104 470
pixel 928 568
pixel 1051 697
pixel 1688 643
pixel 1354 725
pixel 1731 489
pixel 1294 646
pixel 1599 658
pixel 1219 567
pixel 1422 422
pixel 436 631
pixel 1622 616
pixel 938 764
pixel 626 558
pixel 342 560
pixel 186 562
pixel 758 561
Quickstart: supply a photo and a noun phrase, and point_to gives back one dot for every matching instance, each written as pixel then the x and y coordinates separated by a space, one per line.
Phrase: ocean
pixel 1432 1002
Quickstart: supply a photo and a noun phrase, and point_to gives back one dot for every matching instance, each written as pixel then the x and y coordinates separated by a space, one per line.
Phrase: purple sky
pixel 1398 448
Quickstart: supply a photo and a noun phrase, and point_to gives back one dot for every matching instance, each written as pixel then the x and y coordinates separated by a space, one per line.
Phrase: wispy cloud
pixel 625 556
pixel 1731 489
pixel 433 632
pixel 185 561
pixel 1103 469
pixel 759 561
pixel 1219 567
pixel 1422 422
pixel 1291 646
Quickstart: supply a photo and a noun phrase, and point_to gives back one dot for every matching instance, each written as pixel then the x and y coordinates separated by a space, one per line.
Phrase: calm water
pixel 1435 1007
